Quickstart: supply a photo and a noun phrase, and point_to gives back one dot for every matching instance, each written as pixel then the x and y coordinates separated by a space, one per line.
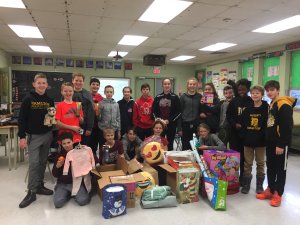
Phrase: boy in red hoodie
pixel 142 109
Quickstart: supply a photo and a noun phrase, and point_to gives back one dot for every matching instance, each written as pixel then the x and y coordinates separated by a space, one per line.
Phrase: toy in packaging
pixel 226 165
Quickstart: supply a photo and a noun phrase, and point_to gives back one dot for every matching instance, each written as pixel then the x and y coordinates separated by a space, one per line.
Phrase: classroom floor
pixel 241 209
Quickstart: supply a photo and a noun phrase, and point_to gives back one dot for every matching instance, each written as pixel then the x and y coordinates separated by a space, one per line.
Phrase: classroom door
pixel 142 80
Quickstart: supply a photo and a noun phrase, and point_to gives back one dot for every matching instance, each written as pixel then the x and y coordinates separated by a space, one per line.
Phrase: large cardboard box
pixel 127 173
pixel 130 184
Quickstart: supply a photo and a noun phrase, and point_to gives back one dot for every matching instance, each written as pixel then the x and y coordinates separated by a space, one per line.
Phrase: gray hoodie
pixel 213 142
pixel 109 115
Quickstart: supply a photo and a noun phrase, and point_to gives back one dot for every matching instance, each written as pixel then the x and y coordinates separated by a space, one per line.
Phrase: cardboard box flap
pixel 122 164
pixel 168 168
pixel 105 177
pixel 134 166
pixel 138 177
pixel 122 179
pixel 94 171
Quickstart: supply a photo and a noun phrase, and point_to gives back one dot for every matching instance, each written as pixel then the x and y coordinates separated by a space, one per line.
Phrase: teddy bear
pixel 50 117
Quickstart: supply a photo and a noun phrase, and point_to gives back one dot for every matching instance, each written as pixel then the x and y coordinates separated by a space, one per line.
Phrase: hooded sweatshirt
pixel 142 109
pixel 126 108
pixel 280 121
pixel 190 105
pixel 86 99
pixel 109 115
pixel 254 123
pixel 32 114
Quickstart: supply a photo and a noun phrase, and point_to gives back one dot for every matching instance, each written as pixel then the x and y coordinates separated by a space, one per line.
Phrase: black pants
pixel 187 134
pixel 170 133
pixel 85 140
pixel 276 168
pixel 95 139
pixel 236 143
pixel 143 133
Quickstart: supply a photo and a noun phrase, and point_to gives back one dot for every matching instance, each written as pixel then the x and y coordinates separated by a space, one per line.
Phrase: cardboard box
pixel 130 184
pixel 180 162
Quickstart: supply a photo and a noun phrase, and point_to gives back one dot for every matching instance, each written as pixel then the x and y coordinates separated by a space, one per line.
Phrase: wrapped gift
pixel 187 185
pixel 114 200
pixel 226 165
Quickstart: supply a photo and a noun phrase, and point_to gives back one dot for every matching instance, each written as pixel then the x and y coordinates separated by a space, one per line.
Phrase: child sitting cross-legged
pixel 64 185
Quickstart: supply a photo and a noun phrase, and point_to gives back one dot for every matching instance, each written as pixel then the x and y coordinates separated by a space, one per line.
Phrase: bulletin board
pixel 248 70
pixel 271 69
pixel 295 70
pixel 22 83
pixel 117 83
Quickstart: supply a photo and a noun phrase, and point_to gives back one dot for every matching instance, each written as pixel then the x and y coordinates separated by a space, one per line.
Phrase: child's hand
pixel 203 147
pixel 122 156
pixel 238 126
pixel 76 129
pixel 279 151
pixel 202 115
pixel 60 162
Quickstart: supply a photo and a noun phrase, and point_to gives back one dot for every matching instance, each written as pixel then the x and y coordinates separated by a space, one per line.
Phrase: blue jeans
pixel 63 191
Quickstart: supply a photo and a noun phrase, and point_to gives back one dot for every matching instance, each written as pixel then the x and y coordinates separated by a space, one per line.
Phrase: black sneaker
pixel 44 191
pixel 29 198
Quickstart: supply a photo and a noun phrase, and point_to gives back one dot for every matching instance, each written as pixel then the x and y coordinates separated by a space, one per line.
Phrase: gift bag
pixel 187 185
pixel 226 165
pixel 114 200
pixel 216 191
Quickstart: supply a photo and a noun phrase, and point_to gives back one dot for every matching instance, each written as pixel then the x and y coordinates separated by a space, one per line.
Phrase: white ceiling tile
pixel 103 46
pixel 35 41
pixel 58 43
pixel 197 33
pixel 81 45
pixel 104 37
pixel 99 53
pixel 172 31
pixel 259 4
pixel 6 31
pixel 198 13
pixel 220 23
pixel 16 16
pixel 241 13
pixel 144 28
pixel 78 35
pixel 221 2
pixel 160 51
pixel 176 43
pixel 84 23
pixel 53 5
pixel 115 26
pixel 52 20
pixel 155 42
pixel 89 8
pixel 134 8
pixel 124 48
pixel 56 34
pixel 81 52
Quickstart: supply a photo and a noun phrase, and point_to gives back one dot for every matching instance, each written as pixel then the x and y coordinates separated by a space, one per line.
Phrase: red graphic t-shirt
pixel 66 113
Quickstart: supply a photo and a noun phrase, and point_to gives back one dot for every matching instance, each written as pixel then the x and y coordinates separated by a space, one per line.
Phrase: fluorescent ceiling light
pixel 281 25
pixel 113 53
pixel 182 58
pixel 162 11
pixel 26 31
pixel 132 40
pixel 217 46
pixel 40 48
pixel 12 4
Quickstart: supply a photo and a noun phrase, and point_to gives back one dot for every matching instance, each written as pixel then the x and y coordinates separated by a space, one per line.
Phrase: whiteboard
pixel 117 83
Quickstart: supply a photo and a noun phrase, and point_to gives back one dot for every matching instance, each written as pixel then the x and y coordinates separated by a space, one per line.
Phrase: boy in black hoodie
pixel 39 136
pixel 254 122
pixel 233 115
pixel 278 138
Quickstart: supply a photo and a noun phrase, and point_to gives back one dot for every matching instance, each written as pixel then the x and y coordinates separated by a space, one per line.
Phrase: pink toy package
pixel 226 164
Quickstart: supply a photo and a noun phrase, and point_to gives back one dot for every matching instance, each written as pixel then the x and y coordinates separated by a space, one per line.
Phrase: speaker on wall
pixel 154 60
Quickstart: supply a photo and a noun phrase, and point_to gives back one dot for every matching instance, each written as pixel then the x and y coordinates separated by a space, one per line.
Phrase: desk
pixel 12 134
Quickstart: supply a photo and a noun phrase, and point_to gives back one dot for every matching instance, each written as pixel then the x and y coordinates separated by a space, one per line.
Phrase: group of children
pixel 90 119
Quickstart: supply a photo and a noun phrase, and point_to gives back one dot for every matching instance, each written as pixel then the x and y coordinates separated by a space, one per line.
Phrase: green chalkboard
pixel 295 77
pixel 248 70
pixel 271 69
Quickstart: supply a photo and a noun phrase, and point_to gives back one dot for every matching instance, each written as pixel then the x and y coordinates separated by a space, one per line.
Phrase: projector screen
pixel 117 83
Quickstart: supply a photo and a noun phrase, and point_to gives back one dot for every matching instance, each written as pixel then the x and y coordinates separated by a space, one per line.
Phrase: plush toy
pixel 50 117
pixel 153 153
